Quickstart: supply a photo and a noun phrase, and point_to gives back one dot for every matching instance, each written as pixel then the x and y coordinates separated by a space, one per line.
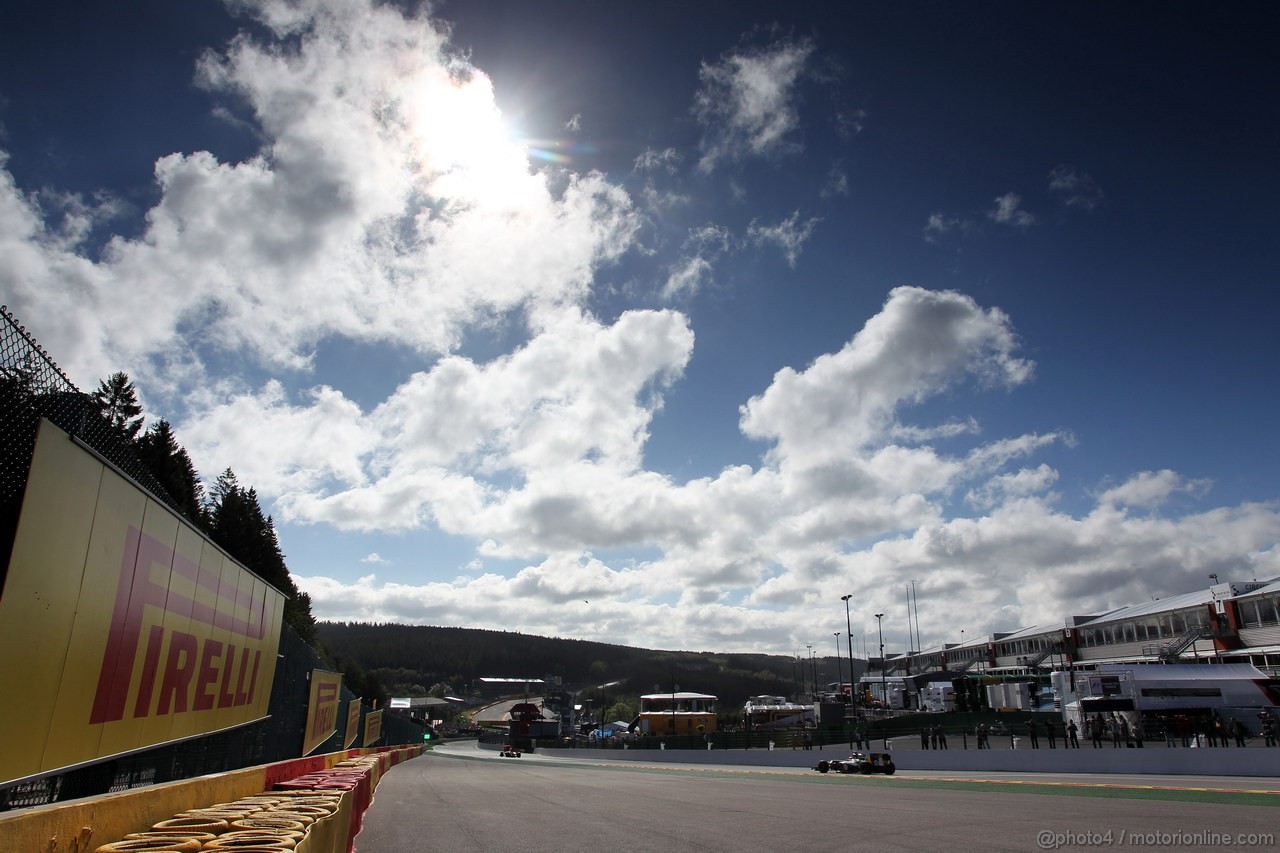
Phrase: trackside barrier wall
pixel 1157 759
pixel 83 825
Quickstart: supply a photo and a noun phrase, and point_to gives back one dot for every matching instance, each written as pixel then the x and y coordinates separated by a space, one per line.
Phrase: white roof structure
pixel 1185 671
pixel 1158 605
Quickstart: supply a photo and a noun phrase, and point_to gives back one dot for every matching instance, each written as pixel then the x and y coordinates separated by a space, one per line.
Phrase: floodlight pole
pixel 884 680
pixel 849 633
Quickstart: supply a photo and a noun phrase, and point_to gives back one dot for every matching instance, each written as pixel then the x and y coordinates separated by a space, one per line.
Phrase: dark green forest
pixel 423 660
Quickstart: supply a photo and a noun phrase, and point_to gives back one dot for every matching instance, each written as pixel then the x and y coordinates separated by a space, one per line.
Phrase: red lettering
pixel 253 680
pixel 225 697
pixel 179 668
pixel 208 675
pixel 155 639
pixel 135 591
pixel 242 698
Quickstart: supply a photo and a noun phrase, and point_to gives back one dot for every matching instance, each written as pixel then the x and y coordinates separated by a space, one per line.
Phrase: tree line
pixel 421 660
pixel 229 513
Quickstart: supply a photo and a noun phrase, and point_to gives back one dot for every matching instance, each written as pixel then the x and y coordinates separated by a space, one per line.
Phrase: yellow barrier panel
pixel 322 708
pixel 353 723
pixel 372 727
pixel 135 629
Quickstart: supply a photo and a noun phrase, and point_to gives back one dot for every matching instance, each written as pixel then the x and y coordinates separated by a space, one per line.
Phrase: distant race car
pixel 860 762
pixel 509 751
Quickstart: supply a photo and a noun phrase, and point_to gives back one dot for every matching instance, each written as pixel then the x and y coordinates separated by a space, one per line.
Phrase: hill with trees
pixel 417 660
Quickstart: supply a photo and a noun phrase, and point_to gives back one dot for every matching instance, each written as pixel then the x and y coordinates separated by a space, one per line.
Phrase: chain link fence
pixel 32 386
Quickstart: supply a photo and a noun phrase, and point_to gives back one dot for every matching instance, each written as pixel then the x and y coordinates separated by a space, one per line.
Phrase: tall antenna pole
pixel 916 599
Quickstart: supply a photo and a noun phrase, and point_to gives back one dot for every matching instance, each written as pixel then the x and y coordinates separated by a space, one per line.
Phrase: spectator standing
pixel 1052 733
pixel 1073 739
pixel 1267 721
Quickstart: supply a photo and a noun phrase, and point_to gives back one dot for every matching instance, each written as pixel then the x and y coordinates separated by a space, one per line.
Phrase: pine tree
pixel 238 525
pixel 117 400
pixel 169 463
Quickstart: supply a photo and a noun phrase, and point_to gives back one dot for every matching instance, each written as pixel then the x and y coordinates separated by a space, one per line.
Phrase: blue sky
pixel 669 324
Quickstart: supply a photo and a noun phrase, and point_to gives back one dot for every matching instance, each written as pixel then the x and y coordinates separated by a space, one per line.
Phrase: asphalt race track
pixel 465 799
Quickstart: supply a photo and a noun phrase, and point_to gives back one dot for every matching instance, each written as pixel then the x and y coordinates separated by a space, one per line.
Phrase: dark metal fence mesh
pixel 31 387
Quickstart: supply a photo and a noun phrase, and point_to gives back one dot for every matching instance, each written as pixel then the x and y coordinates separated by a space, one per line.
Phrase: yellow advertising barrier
pixel 322 708
pixel 134 629
pixel 372 727
pixel 353 723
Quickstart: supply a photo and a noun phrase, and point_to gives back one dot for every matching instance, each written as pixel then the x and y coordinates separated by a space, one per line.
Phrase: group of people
pixel 1270 728
pixel 933 737
pixel 1122 732
pixel 1070 740
pixel 1116 728
pixel 1209 730
pixel 1184 729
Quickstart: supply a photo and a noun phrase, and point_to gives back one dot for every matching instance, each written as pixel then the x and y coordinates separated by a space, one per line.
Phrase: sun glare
pixel 466 149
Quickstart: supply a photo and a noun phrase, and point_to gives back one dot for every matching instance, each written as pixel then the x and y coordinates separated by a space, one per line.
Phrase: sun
pixel 467 152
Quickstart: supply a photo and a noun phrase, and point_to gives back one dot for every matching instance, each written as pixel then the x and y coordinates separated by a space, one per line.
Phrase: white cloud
pixel 918 343
pixel 940 224
pixel 1018 484
pixel 1074 187
pixel 387 204
pixel 695 266
pixel 650 160
pixel 1008 211
pixel 849 124
pixel 376 558
pixel 1151 489
pixel 747 102
pixel 789 235
pixel 837 183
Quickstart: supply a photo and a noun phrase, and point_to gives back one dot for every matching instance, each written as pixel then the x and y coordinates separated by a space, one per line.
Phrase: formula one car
pixel 860 762
pixel 509 751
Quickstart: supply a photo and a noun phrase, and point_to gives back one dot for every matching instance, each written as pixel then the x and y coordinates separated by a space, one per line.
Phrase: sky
pixel 670 324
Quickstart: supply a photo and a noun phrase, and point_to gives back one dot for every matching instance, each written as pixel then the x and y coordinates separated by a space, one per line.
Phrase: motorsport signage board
pixel 372 727
pixel 124 627
pixel 322 708
pixel 353 723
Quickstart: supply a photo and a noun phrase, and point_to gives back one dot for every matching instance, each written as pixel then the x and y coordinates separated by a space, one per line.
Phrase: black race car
pixel 860 762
